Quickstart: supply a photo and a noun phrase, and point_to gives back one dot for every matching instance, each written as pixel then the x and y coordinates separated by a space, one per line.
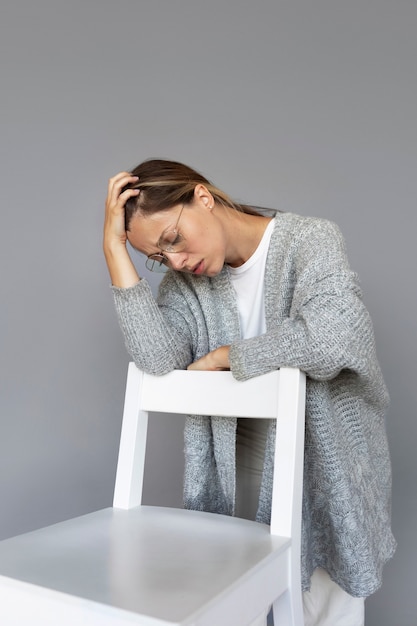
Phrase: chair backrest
pixel 277 395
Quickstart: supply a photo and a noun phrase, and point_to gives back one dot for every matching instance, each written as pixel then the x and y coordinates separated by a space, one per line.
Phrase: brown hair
pixel 164 184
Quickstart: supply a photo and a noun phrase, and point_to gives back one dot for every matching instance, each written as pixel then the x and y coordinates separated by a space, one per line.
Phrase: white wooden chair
pixel 154 566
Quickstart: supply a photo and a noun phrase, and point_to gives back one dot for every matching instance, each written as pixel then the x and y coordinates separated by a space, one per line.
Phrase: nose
pixel 177 260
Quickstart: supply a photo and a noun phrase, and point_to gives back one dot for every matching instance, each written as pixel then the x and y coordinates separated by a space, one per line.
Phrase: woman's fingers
pixel 114 225
pixel 116 184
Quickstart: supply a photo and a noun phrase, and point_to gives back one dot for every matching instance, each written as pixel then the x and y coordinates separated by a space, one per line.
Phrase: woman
pixel 251 293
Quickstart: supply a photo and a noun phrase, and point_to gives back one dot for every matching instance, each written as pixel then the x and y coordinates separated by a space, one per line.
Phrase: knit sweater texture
pixel 316 321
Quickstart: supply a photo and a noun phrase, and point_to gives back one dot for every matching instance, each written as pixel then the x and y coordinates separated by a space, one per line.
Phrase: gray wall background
pixel 306 106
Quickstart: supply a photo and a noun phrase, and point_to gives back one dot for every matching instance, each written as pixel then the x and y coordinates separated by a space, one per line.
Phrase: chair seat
pixel 146 565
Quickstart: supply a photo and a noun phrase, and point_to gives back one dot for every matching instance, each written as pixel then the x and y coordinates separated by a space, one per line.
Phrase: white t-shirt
pixel 248 281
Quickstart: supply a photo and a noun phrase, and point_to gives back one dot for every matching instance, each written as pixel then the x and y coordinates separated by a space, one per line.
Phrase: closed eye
pixel 170 240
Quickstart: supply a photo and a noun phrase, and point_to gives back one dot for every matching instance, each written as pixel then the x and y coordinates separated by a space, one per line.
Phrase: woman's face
pixel 204 250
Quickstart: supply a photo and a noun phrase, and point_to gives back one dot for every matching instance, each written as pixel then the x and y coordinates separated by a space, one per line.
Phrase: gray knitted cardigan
pixel 316 321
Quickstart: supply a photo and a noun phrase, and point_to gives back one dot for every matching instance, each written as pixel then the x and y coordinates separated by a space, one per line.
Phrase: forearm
pixel 121 269
pixel 319 344
pixel 155 345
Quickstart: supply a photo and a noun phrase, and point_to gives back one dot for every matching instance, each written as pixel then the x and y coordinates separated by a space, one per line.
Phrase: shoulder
pixel 308 243
pixel 297 231
pixel 300 225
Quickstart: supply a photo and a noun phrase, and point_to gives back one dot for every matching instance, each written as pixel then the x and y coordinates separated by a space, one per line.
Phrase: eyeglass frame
pixel 159 262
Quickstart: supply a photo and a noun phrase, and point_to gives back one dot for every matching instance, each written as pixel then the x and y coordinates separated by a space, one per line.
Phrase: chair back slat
pixel 211 393
pixel 277 395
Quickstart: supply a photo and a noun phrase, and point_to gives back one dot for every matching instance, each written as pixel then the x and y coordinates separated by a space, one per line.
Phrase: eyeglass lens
pixel 157 263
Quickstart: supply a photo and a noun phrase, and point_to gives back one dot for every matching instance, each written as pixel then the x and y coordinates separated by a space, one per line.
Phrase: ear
pixel 203 197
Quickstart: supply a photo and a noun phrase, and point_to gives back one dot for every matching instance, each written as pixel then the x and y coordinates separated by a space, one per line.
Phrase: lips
pixel 198 269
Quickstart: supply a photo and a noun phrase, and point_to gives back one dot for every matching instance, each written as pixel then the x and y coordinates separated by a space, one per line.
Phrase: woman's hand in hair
pixel 122 271
pixel 114 223
pixel 216 360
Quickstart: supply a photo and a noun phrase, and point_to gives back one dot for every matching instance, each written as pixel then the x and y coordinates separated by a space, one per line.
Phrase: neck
pixel 244 233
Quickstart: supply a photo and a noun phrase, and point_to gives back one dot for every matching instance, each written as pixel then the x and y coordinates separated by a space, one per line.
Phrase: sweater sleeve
pixel 328 327
pixel 157 342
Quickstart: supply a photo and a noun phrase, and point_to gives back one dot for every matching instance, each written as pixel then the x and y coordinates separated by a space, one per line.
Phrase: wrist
pixel 121 269
pixel 221 357
pixel 114 247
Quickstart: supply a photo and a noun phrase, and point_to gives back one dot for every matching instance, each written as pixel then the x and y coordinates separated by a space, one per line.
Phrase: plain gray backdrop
pixel 309 107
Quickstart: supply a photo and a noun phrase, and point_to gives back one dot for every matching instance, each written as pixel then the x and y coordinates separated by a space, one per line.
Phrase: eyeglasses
pixel 170 241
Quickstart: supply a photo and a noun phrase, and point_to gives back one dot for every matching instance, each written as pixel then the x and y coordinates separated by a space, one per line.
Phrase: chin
pixel 211 273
